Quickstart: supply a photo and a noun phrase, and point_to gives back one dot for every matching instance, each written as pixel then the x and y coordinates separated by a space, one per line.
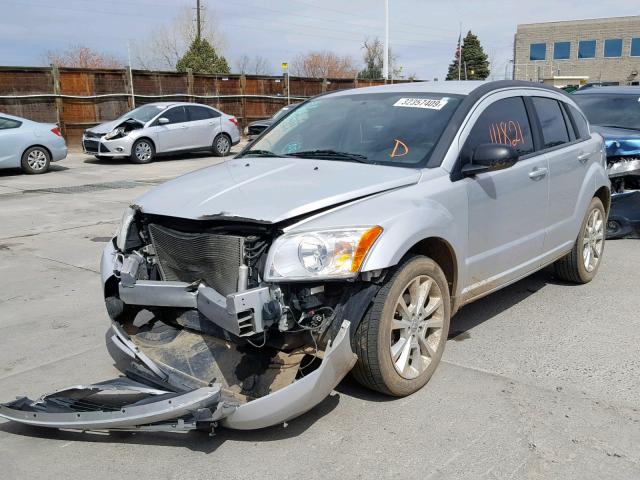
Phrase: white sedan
pixel 29 145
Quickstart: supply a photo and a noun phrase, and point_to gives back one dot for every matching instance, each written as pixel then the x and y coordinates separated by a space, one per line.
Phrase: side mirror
pixel 489 157
pixel 163 121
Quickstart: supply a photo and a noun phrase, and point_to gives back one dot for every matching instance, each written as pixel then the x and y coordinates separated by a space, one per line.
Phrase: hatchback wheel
pixel 400 340
pixel 221 145
pixel 35 160
pixel 142 151
pixel 581 264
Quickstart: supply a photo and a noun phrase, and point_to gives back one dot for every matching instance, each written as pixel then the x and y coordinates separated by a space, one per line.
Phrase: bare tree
pixel 80 56
pixel 323 64
pixel 373 56
pixel 169 42
pixel 257 65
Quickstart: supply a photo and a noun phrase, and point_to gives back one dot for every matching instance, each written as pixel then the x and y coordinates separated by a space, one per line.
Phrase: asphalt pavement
pixel 540 380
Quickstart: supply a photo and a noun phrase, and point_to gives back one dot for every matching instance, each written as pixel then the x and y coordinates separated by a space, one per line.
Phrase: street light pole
pixel 385 60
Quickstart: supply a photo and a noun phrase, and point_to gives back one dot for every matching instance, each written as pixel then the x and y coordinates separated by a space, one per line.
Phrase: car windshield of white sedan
pixel 382 128
pixel 611 110
pixel 145 113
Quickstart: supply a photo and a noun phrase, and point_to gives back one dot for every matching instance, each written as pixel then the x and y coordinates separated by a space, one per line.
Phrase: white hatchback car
pixel 163 127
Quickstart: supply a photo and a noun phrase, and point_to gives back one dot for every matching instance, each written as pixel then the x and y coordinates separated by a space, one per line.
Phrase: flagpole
pixel 460 53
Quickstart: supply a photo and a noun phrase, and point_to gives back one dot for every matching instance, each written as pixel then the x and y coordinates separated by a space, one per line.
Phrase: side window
pixel 175 115
pixel 581 125
pixel 201 113
pixel 554 130
pixel 8 123
pixel 503 122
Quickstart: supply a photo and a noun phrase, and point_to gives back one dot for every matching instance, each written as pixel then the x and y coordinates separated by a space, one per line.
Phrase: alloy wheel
pixel 416 328
pixel 37 160
pixel 222 144
pixel 143 151
pixel 593 240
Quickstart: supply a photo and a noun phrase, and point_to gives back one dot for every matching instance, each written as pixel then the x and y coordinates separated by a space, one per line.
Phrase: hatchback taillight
pixel 56 130
pixel 234 120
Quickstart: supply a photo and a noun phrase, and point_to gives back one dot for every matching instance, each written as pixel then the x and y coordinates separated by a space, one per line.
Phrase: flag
pixel 458 47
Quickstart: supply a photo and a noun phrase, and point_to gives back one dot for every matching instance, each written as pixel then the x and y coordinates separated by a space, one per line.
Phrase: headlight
pixel 116 132
pixel 320 254
pixel 123 229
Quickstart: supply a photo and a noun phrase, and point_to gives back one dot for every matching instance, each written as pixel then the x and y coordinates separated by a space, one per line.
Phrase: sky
pixel 423 33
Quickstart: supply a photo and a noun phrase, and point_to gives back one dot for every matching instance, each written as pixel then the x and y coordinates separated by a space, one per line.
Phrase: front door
pixel 174 135
pixel 507 208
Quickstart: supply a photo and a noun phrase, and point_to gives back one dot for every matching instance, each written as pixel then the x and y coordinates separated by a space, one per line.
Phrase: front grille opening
pixel 191 257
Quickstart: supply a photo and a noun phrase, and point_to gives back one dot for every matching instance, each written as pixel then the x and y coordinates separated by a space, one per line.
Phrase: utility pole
pixel 385 60
pixel 133 96
pixel 198 20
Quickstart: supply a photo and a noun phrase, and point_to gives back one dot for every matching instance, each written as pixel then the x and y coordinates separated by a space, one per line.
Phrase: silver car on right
pixel 163 128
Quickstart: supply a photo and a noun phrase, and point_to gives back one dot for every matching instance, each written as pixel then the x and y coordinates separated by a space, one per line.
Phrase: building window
pixel 537 51
pixel 613 47
pixel 635 47
pixel 587 49
pixel 562 50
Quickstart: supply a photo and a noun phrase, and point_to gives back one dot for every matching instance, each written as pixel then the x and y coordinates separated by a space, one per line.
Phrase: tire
pixel 221 145
pixel 35 160
pixel 379 333
pixel 576 266
pixel 142 151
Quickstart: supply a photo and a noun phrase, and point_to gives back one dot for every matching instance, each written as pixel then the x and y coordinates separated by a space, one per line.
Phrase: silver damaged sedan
pixel 344 239
pixel 163 128
pixel 29 145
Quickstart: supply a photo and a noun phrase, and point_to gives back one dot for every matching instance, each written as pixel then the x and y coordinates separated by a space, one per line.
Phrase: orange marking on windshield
pixel 395 153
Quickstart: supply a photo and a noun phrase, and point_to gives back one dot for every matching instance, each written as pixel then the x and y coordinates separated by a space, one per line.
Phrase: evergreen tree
pixel 202 58
pixel 476 61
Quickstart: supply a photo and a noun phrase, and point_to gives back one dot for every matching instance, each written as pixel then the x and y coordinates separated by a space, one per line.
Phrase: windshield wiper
pixel 261 153
pixel 330 155
pixel 619 126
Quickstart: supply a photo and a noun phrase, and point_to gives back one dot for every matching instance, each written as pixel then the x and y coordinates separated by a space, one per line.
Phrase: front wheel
pixel 401 338
pixel 582 263
pixel 142 151
pixel 221 145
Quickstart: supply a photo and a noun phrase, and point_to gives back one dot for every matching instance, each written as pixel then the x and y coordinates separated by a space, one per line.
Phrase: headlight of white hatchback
pixel 123 228
pixel 324 254
pixel 116 132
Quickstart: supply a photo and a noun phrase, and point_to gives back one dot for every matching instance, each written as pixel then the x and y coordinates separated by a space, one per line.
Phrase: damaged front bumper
pixel 130 404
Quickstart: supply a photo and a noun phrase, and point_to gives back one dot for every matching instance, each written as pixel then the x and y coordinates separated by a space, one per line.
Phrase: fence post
pixel 324 85
pixel 190 84
pixel 243 100
pixel 128 87
pixel 355 81
pixel 55 75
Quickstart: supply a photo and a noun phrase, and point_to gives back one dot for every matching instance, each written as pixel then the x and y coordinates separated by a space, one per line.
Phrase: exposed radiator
pixel 189 257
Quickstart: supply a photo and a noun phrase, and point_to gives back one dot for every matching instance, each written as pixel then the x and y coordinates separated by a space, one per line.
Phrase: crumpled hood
pixel 270 190
pixel 105 127
pixel 619 142
pixel 261 123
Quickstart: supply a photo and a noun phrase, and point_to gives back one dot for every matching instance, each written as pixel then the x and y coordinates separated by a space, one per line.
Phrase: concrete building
pixel 579 52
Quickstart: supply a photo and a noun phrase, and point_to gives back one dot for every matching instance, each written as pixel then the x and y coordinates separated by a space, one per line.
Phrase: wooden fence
pixel 77 99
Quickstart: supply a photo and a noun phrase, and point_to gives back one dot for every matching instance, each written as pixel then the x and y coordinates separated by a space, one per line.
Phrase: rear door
pixel 204 124
pixel 507 208
pixel 565 143
pixel 11 142
pixel 174 135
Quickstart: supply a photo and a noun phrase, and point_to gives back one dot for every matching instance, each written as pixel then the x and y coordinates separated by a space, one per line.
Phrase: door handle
pixel 583 157
pixel 537 173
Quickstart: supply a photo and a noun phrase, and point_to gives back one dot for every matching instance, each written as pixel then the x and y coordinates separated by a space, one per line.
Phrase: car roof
pixel 621 90
pixel 451 87
pixel 176 104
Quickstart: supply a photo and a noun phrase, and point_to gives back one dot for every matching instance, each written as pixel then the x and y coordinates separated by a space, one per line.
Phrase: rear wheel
pixel 142 151
pixel 221 145
pixel 582 263
pixel 401 339
pixel 35 160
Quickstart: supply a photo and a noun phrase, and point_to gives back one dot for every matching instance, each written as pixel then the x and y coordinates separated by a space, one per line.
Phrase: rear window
pixel 8 123
pixel 201 113
pixel 611 110
pixel 554 130
pixel 580 124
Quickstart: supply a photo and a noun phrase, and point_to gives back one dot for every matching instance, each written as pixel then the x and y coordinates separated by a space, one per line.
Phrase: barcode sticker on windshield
pixel 430 103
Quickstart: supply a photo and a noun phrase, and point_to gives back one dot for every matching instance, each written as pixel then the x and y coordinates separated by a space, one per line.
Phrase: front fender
pixel 107 263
